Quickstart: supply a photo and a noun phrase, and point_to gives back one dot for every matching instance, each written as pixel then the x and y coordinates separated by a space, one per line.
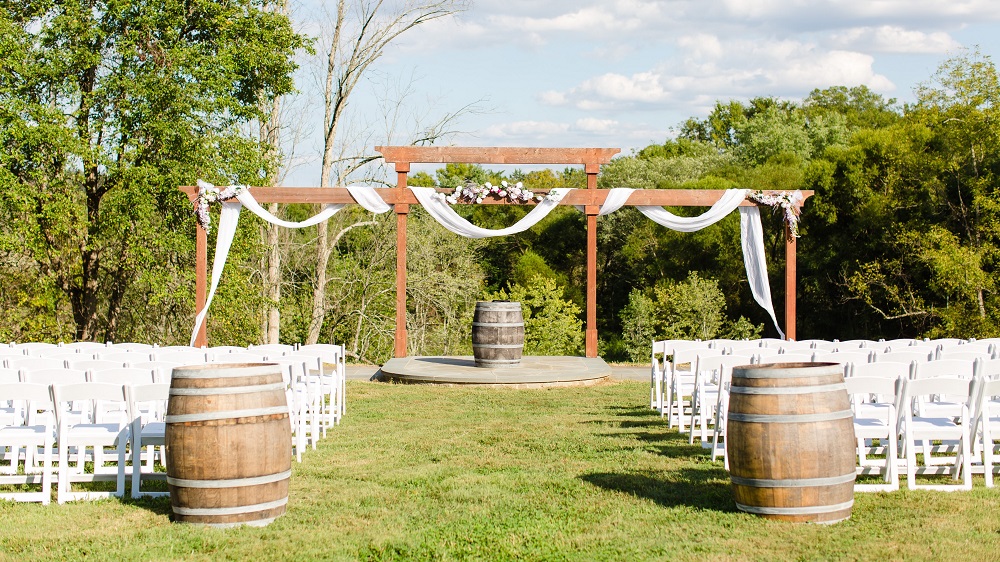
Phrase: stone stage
pixel 533 372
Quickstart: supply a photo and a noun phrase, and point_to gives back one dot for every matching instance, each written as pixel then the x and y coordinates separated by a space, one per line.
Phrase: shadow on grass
pixel 159 506
pixel 692 487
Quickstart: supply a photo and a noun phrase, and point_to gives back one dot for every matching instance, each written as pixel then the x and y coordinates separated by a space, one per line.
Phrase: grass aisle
pixel 432 473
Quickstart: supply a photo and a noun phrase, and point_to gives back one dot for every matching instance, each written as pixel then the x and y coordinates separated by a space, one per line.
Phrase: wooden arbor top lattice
pixel 401 198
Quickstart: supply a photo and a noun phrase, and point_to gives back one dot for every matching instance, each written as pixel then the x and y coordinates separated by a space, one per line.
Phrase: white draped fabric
pixel 442 212
pixel 366 196
pixel 752 240
pixel 752 235
pixel 726 204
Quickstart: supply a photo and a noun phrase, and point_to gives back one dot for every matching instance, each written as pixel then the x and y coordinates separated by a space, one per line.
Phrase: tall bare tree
pixel 362 30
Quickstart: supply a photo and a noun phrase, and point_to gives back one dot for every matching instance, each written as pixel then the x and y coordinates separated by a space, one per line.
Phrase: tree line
pixel 104 112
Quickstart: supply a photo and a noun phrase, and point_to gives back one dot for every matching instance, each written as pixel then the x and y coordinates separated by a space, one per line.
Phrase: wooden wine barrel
pixel 497 334
pixel 790 435
pixel 228 444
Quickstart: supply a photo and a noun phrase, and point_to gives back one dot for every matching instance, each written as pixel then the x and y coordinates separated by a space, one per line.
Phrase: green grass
pixel 444 473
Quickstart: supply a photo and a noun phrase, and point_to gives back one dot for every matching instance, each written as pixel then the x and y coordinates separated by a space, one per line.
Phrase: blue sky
pixel 625 73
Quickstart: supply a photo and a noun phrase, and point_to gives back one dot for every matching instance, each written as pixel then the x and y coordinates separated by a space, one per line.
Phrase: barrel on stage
pixel 790 435
pixel 497 334
pixel 228 444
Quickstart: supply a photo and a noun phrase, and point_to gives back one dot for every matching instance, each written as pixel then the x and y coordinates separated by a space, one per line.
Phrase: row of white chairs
pixel 706 384
pixel 952 422
pixel 315 387
pixel 76 424
pixel 672 381
pixel 325 361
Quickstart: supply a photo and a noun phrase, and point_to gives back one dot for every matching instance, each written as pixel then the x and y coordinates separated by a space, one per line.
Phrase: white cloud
pixel 895 39
pixel 640 87
pixel 552 97
pixel 708 67
pixel 525 129
pixel 593 125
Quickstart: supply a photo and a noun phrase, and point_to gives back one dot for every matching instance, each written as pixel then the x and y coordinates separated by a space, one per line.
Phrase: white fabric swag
pixel 365 195
pixel 751 235
pixel 442 212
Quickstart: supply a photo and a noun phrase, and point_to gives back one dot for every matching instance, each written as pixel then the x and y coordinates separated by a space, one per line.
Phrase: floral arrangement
pixel 472 193
pixel 208 194
pixel 789 203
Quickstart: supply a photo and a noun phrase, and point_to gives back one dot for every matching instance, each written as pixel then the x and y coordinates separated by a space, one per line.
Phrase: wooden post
pixel 790 277
pixel 592 209
pixel 201 285
pixel 402 209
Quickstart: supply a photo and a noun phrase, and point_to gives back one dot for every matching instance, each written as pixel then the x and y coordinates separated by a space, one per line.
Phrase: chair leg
pixel 911 464
pixel 987 456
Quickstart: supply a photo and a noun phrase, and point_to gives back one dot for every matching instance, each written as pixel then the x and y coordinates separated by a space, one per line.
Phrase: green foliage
pixel 105 109
pixel 551 324
pixel 691 309
pixel 640 323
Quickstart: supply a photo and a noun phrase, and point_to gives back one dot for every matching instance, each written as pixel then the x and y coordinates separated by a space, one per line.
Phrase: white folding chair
pixel 271 349
pixel 147 403
pixel 705 396
pixel 328 380
pixel 959 354
pixel 237 357
pixel 908 355
pixel 187 356
pixel 34 363
pixel 929 428
pixel 32 433
pixel 94 437
pixel 87 347
pixel 794 357
pixel 677 374
pixel 334 359
pixel 682 375
pixel 36 349
pixel 162 369
pixel 215 350
pixel 94 364
pixel 133 346
pixel 307 395
pixel 721 414
pixel 125 358
pixel 657 360
pixel 873 400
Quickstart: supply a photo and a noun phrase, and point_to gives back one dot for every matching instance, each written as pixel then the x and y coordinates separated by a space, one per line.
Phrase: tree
pixel 551 324
pixel 105 108
pixel 361 32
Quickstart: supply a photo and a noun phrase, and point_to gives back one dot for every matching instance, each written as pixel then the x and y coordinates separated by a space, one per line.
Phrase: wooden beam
pixel 495 155
pixel 201 284
pixel 395 196
pixel 402 209
pixel 590 334
pixel 790 284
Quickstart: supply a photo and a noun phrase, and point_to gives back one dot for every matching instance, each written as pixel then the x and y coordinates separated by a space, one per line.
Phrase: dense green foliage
pixel 105 108
pixel 422 473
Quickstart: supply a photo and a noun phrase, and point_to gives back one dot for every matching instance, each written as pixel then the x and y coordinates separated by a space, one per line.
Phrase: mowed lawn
pixel 443 473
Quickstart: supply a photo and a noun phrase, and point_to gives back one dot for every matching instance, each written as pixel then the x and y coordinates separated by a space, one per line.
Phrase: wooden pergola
pixel 402 157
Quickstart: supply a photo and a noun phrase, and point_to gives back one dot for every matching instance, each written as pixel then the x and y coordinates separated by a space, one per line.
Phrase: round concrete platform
pixel 533 372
